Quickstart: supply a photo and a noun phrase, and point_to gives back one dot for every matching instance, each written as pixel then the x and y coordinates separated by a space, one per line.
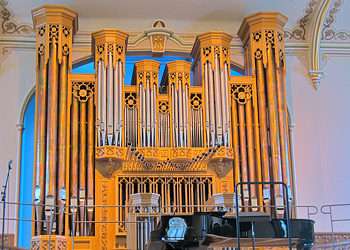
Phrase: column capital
pixel 263 20
pixel 57 14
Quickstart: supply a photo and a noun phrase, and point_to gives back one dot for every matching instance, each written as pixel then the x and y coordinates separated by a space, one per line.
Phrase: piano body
pixel 218 229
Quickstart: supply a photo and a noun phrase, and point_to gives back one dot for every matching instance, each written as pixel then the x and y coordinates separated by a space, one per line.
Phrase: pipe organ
pixel 196 132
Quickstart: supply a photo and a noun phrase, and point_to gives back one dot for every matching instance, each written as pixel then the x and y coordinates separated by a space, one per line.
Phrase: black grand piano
pixel 218 229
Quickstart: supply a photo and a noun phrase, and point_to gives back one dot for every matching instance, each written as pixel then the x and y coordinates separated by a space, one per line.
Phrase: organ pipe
pixel 62 141
pixel 273 121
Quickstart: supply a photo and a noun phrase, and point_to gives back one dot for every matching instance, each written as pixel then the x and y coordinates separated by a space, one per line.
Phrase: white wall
pixel 17 76
pixel 321 137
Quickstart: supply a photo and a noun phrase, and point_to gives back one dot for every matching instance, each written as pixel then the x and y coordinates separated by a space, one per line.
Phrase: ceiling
pixel 181 16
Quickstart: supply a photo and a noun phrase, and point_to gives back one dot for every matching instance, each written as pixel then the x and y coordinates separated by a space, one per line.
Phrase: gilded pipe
pixel 263 128
pixel 273 120
pixel 283 131
pixel 62 141
pixel 74 148
pixel 242 134
pixel 152 112
pixel 173 114
pixel 52 119
pixel 206 96
pixel 251 153
pixel 41 141
pixel 82 163
pixel 140 114
pixel 154 133
pixel 90 160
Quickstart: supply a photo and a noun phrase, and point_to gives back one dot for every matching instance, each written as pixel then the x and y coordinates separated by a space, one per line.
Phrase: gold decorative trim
pixel 300 32
pixel 10 26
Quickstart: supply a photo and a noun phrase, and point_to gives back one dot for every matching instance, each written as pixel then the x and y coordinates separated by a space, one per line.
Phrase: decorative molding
pixel 328 31
pixel 104 216
pixel 299 33
pixel 324 241
pixel 315 72
pixel 10 26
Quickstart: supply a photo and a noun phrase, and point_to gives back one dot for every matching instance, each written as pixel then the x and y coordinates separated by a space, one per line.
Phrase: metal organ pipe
pixel 217 100
pixel 243 147
pixel 187 143
pixel 109 105
pixel 181 127
pixel 147 105
pixel 120 99
pixel 103 104
pixel 116 97
pixel 143 115
pixel 173 113
pixel 227 105
pixel 211 104
pixel 176 114
pixel 99 102
pixel 223 106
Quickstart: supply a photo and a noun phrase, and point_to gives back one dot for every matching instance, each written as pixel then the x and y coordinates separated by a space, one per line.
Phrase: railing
pixel 331 216
pixel 148 211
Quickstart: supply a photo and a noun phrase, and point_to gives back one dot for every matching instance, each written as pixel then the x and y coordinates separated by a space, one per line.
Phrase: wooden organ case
pixel 174 141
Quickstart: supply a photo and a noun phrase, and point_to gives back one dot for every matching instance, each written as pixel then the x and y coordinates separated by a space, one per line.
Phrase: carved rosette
pixel 83 90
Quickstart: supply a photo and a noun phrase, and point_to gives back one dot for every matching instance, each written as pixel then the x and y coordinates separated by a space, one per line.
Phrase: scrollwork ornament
pixel 10 27
pixel 299 33
pixel 140 75
pixel 155 75
pixel 328 32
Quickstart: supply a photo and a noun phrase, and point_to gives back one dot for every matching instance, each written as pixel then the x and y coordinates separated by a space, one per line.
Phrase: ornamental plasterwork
pixel 299 32
pixel 10 26
pixel 329 32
